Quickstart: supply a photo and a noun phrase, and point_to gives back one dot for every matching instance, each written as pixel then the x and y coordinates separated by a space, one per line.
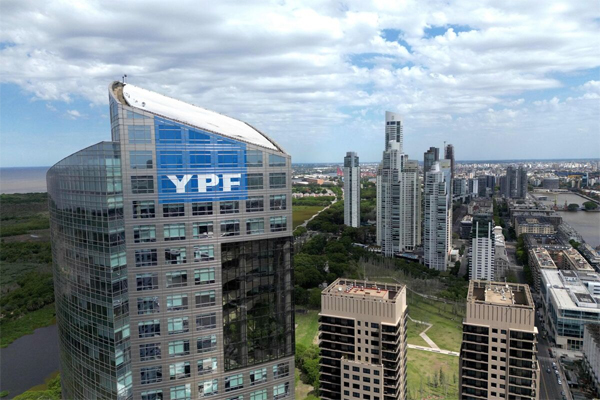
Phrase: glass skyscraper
pixel 172 257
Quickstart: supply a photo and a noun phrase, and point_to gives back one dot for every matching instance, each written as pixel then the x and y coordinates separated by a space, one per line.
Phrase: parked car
pixel 548 370
pixel 554 365
pixel 559 382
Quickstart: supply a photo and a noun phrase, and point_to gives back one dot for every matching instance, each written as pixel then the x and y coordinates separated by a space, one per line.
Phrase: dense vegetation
pixel 313 201
pixel 590 205
pixel 35 291
pixel 523 258
pixel 50 391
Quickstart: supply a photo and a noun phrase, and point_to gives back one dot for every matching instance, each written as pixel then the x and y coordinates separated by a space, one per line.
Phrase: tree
pixel 590 205
pixel 314 298
pixel 574 243
pixel 573 207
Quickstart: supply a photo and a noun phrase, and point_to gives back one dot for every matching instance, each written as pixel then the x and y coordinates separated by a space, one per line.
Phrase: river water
pixel 587 224
pixel 29 360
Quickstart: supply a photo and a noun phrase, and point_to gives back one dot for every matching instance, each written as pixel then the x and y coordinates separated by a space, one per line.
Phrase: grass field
pixel 12 330
pixel 446 331
pixel 423 368
pixel 308 327
pixel 412 333
pixel 302 213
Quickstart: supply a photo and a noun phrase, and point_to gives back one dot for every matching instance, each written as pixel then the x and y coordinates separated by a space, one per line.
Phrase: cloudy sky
pixel 499 79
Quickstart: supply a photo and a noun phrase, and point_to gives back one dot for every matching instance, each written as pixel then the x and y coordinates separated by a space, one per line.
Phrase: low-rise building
pixel 591 354
pixel 539 259
pixel 591 255
pixel 480 206
pixel 500 255
pixel 538 225
pixel 571 259
pixel 571 300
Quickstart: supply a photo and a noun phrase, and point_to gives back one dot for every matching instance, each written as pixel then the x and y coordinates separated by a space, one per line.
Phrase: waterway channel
pixel 29 360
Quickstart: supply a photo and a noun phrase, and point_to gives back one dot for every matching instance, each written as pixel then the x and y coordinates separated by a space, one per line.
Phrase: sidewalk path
pixel 423 348
pixel 423 334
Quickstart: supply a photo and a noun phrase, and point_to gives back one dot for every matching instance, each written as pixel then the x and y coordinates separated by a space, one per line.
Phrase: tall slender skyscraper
pixel 449 155
pixel 429 158
pixel 437 227
pixel 482 248
pixel 398 194
pixel 351 190
pixel 172 257
pixel 514 184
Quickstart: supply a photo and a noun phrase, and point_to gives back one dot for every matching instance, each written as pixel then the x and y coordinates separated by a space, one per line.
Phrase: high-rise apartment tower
pixel 398 194
pixel 351 190
pixel 481 262
pixel 362 338
pixel 429 158
pixel 449 155
pixel 498 355
pixel 514 184
pixel 172 257
pixel 437 226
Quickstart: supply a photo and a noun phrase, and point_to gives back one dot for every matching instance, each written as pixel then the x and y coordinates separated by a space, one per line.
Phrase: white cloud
pixel 74 114
pixel 297 69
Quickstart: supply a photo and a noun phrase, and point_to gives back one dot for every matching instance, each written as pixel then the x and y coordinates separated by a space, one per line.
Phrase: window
pixel 281 391
pixel 140 159
pixel 139 134
pixel 202 208
pixel 177 302
pixel 147 305
pixel 207 388
pixel 170 159
pixel 151 375
pixel 176 278
pixel 183 392
pixel 174 231
pixel 179 370
pixel 206 321
pixel 200 159
pixel 142 184
pixel 230 227
pixel 227 158
pixel 178 325
pixel 234 382
pixel 143 209
pixel 149 328
pixel 277 180
pixel 202 230
pixel 254 158
pixel 230 207
pixel 204 252
pixel 173 210
pixel 278 224
pixel 278 202
pixel 276 161
pixel 207 365
pixel 179 348
pixel 199 137
pixel 146 281
pixel 204 276
pixel 259 395
pixel 255 204
pixel 152 395
pixel 205 298
pixel 254 181
pixel 281 370
pixel 144 234
pixel 150 351
pixel 206 343
pixel 255 226
pixel 258 376
pixel 175 255
pixel 146 258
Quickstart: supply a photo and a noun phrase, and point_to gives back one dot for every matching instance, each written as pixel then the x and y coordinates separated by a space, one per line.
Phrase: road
pixel 549 388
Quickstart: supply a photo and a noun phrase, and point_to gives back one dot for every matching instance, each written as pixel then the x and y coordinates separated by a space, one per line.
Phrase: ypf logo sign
pixel 202 183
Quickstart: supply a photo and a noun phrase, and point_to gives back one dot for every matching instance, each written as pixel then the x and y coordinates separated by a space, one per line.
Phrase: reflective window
pixel 151 374
pixel 206 321
pixel 146 281
pixel 139 134
pixel 258 376
pixel 176 279
pixel 200 159
pixel 202 208
pixel 227 158
pixel 177 302
pixel 179 348
pixel 276 161
pixel 143 209
pixel 198 137
pixel 146 258
pixel 281 391
pixel 254 158
pixel 278 202
pixel 142 185
pixel 140 159
pixel 204 276
pixel 207 388
pixel 280 370
pixel 148 305
pixel 144 234
pixel 174 231
pixel 202 230
pixel 229 207
pixel 254 181
pixel 207 365
pixel 150 351
pixel 175 255
pixel 277 180
pixel 206 343
pixel 183 392
pixel 133 115
pixel 204 253
pixel 170 159
pixel 230 227
pixel 179 370
pixel 255 226
pixel 168 134
pixel 255 204
pixel 152 395
pixel 205 298
pixel 149 328
pixel 178 325
pixel 278 224
pixel 234 382
pixel 259 395
pixel 173 210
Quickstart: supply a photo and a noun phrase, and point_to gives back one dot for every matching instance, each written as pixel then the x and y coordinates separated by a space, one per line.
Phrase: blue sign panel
pixel 198 166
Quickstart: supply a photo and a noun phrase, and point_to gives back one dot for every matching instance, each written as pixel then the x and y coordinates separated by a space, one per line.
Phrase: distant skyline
pixel 498 81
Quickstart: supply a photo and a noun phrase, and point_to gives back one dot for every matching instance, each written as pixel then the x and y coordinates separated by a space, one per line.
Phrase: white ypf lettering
pixel 228 183
pixel 206 180
pixel 180 184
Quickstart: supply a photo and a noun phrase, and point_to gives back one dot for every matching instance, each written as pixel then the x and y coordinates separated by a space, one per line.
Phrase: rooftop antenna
pixel 124 76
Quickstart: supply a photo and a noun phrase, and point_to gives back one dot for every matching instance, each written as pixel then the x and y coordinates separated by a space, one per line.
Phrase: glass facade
pixel 161 219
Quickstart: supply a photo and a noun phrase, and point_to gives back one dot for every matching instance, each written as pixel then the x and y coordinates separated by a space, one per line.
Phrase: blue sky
pixel 499 81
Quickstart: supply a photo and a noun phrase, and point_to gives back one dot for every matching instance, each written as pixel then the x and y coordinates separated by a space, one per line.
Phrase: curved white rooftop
pixel 192 115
